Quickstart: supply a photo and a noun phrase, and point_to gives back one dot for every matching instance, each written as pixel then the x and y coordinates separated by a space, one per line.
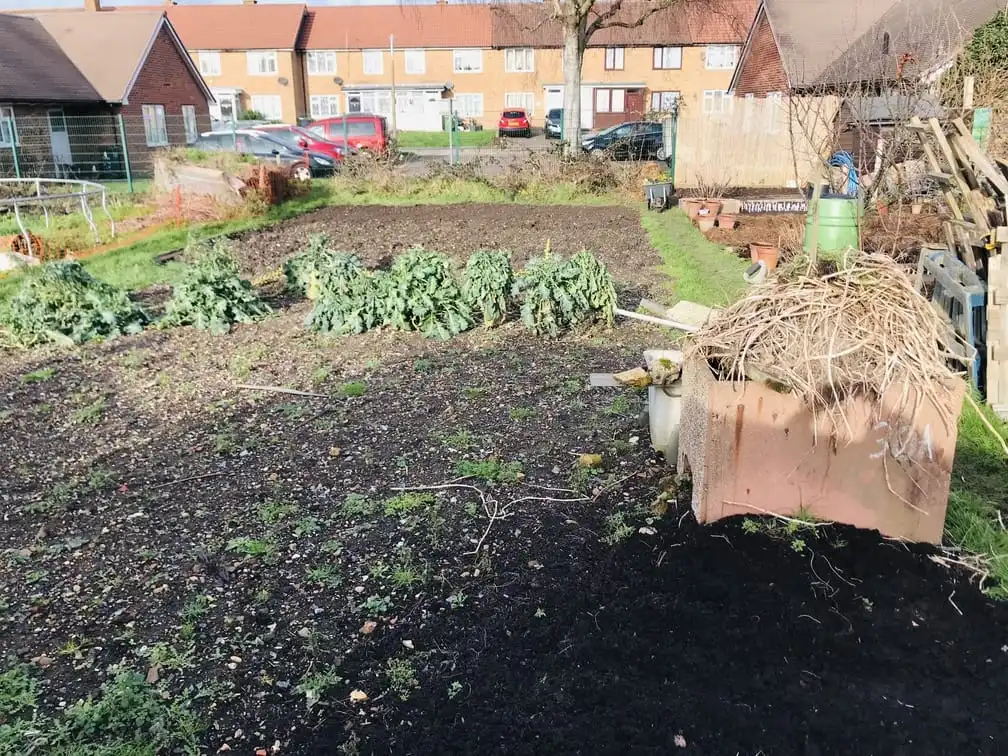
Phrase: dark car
pixel 303 164
pixel 514 122
pixel 297 138
pixel 637 140
pixel 554 123
pixel 363 132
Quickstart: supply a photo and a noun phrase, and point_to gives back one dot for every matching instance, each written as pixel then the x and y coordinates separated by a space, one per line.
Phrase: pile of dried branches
pixel 859 330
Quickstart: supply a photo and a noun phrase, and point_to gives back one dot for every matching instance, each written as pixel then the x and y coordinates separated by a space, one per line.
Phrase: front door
pixel 59 138
pixel 226 108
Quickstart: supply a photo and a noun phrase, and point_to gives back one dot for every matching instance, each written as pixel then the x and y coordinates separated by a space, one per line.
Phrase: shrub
pixel 595 284
pixel 488 282
pixel 63 303
pixel 303 271
pixel 422 295
pixel 349 298
pixel 212 296
pixel 558 294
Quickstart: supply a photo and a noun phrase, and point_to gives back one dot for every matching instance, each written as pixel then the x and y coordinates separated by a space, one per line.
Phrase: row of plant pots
pixel 707 213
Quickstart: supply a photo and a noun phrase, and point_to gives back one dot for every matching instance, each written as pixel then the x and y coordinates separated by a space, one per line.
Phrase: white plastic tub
pixel 664 403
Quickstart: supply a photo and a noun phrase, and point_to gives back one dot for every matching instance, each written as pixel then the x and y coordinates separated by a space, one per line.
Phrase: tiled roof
pixel 107 48
pixel 369 26
pixel 691 22
pixel 33 68
pixel 237 27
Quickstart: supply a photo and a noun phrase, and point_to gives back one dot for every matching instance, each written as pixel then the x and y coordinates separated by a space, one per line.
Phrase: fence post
pixel 125 152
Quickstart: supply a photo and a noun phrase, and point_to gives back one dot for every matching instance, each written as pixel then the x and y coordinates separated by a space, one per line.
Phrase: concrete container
pixel 751 450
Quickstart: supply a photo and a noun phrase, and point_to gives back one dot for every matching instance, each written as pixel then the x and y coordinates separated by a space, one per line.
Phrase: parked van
pixel 362 131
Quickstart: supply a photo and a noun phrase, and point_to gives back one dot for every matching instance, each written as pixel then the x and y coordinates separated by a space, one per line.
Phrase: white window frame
pixel 657 98
pixel 209 62
pixel 519 60
pixel 271 113
pixel 190 123
pixel 659 60
pixel 615 58
pixel 471 67
pixel 373 62
pixel 155 126
pixel 8 124
pixel 719 96
pixel 520 101
pixel 464 107
pixel 262 62
pixel 415 61
pixel 320 62
pixel 324 106
pixel 721 57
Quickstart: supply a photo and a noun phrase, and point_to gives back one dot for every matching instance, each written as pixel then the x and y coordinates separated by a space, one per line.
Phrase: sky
pixel 33 4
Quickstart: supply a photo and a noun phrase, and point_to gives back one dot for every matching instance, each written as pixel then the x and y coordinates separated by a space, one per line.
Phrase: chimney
pixel 92 5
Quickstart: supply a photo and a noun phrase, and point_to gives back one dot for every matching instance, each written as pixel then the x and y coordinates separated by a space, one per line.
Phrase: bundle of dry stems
pixel 860 329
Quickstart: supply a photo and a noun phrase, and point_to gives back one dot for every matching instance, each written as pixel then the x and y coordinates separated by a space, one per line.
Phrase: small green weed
pixel 320 375
pixel 454 688
pixel 274 511
pixel 358 505
pixel 490 470
pixel 354 389
pixel 617 529
pixel 252 547
pixel 521 413
pixel 306 526
pixel 406 502
pixel 457 600
pixel 423 365
pixel 315 685
pixel 620 405
pixel 461 440
pixel 196 608
pixel 225 443
pixel 376 605
pixel 292 410
pixel 571 386
pixel 474 392
pixel 18 693
pixel 401 676
pixel 89 414
pixel 38 376
pixel 324 575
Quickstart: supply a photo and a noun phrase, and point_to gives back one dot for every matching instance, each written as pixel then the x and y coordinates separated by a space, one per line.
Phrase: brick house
pixel 131 65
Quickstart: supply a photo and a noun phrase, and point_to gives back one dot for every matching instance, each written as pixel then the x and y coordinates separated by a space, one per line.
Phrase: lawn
pixel 412 139
pixel 411 557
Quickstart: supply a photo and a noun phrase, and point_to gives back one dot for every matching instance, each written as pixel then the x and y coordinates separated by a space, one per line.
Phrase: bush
pixel 61 302
pixel 212 296
pixel 488 283
pixel 422 295
pixel 302 271
pixel 595 284
pixel 349 298
pixel 558 294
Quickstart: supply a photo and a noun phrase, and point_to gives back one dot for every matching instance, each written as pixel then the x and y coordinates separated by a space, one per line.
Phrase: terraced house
pixel 289 62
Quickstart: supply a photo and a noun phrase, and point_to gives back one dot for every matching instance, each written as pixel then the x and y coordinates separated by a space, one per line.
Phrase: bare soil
pixel 248 539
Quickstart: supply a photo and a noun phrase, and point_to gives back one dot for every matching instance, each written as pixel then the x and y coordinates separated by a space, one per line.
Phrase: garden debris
pixel 858 330
pixel 368 627
pixel 590 460
pixel 358 696
pixel 637 377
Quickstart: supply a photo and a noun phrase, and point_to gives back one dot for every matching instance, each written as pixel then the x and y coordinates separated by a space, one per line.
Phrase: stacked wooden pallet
pixel 975 188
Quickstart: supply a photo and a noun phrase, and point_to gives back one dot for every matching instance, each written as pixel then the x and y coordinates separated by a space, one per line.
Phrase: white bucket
pixel 664 405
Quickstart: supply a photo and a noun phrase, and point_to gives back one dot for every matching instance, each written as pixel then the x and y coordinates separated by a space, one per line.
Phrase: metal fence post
pixel 14 141
pixel 125 152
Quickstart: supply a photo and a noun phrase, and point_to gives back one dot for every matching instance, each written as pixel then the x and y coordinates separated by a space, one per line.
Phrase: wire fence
pixel 112 149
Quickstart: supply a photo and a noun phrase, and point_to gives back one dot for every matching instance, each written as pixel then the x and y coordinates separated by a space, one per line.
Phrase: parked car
pixel 514 122
pixel 636 140
pixel 298 138
pixel 303 164
pixel 363 132
pixel 553 124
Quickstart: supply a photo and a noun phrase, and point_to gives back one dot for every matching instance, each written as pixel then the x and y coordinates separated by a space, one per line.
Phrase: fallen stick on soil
pixel 987 423
pixel 806 523
pixel 186 480
pixel 657 321
pixel 951 596
pixel 282 390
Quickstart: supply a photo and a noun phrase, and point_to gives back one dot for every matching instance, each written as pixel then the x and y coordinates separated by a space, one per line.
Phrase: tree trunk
pixel 574 41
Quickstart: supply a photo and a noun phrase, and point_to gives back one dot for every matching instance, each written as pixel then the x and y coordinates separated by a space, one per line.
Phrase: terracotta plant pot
pixel 769 254
pixel 916 207
pixel 705 222
pixel 690 206
pixel 727 220
pixel 710 207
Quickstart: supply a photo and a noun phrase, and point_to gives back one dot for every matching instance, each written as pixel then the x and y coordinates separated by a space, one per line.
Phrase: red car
pixel 514 122
pixel 366 133
pixel 296 138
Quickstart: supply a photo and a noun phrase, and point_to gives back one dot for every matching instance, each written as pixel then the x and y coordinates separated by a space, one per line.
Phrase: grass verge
pixel 413 139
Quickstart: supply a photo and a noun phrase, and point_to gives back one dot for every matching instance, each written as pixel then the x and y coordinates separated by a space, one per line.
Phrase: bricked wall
pixel 165 79
pixel 761 70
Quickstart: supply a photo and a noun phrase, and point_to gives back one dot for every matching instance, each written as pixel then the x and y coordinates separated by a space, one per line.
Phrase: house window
pixel 614 58
pixel 469 105
pixel 261 62
pixel 522 100
pixel 467 61
pixel 416 62
pixel 721 57
pixel 323 106
pixel 519 60
pixel 715 101
pixel 610 100
pixel 373 62
pixel 378 102
pixel 189 119
pixel 155 129
pixel 664 102
pixel 8 127
pixel 209 62
pixel 321 62
pixel 269 106
pixel 667 57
